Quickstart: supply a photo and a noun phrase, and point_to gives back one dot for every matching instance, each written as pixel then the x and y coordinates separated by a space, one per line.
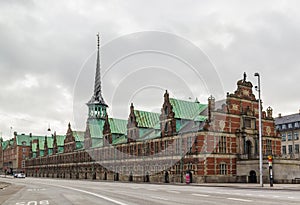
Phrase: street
pixel 34 191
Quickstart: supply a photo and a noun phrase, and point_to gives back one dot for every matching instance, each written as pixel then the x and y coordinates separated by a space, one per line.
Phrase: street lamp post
pixel 260 133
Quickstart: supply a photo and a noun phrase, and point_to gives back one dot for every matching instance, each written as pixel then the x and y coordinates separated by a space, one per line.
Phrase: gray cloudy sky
pixel 47 55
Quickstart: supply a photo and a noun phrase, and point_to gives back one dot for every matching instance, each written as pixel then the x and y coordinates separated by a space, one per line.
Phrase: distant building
pixel 13 153
pixel 289 128
pixel 213 142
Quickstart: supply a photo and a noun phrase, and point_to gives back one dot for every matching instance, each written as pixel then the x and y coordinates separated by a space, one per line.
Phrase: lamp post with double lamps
pixel 260 132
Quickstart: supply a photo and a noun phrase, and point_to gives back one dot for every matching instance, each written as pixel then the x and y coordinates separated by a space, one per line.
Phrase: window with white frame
pixel 283 137
pixel 222 144
pixel 223 169
pixel 290 149
pixel 297 148
pixel 269 147
pixel 296 136
pixel 289 136
pixel 284 149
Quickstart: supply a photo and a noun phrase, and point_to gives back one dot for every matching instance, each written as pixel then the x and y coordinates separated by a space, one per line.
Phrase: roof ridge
pixel 193 102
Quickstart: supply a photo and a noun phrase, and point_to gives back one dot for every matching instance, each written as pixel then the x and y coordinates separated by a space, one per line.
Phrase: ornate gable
pixel 55 149
pixel 132 126
pixel 244 90
pixel 87 137
pixel 167 117
pixel 46 147
pixel 107 135
pixel 69 142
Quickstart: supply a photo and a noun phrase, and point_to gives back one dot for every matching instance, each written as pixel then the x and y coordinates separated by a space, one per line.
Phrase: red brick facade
pixel 208 151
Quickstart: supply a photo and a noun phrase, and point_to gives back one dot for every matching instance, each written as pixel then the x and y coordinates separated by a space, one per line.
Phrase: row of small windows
pixel 289 136
pixel 290 149
pixel 288 126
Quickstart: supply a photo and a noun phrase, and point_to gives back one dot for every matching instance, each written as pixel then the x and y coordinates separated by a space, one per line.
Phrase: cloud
pixel 45 44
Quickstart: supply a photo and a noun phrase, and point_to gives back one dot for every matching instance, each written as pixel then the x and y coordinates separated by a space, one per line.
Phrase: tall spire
pixel 97 97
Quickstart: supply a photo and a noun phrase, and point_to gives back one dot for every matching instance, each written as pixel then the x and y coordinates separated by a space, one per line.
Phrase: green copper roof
pixel 185 109
pixel 120 140
pixel 5 144
pixel 146 119
pixel 200 118
pixel 118 126
pixel 23 138
pixel 50 142
pixel 60 140
pixel 96 128
pixel 97 142
pixel 33 147
pixel 79 136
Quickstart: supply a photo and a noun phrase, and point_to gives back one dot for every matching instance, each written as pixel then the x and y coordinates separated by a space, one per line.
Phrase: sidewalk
pixel 291 187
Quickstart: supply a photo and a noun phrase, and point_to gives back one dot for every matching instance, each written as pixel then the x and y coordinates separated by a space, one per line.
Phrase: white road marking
pixel 90 193
pixel 161 198
pixel 237 199
pixel 249 194
pixel 275 196
pixel 175 192
pixel 291 197
pixel 204 195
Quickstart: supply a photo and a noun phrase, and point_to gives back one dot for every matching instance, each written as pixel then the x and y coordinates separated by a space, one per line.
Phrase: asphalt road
pixel 34 191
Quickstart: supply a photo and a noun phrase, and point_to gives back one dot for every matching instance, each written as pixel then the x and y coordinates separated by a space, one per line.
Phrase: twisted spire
pixel 97 97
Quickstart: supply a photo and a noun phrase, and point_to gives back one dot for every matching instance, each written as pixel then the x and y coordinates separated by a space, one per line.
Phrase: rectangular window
pixel 289 136
pixel 177 146
pixel 283 137
pixel 290 125
pixel 222 144
pixel 223 169
pixel 24 149
pixel 156 147
pixel 297 148
pixel 269 147
pixel 283 127
pixel 189 144
pixel 284 149
pixel 290 149
pixel 23 164
pixel 248 123
pixel 296 136
pixel 296 124
pixel 139 150
pixel 166 146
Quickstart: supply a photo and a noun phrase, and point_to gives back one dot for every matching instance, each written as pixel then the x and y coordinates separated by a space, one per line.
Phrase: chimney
pixel 279 115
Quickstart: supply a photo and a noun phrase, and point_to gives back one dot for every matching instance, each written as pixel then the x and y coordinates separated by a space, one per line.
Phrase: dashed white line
pixel 160 198
pixel 291 197
pixel 174 192
pixel 203 195
pixel 237 199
